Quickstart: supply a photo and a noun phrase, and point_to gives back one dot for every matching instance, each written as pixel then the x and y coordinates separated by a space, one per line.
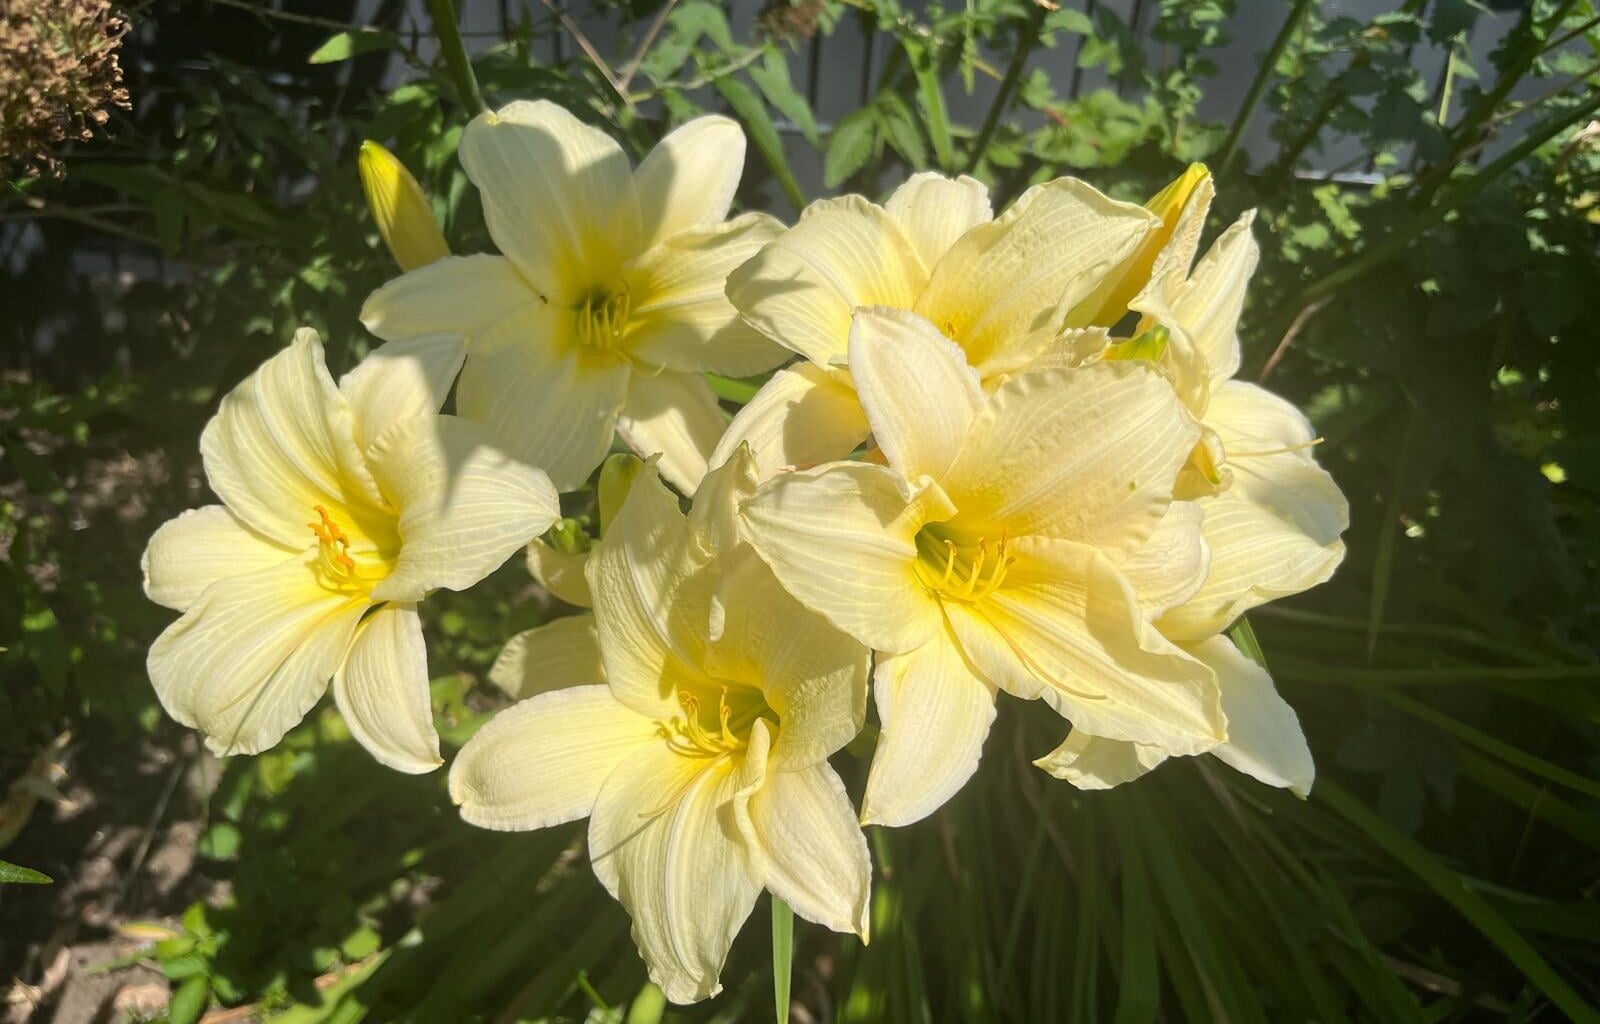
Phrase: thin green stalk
pixel 1008 84
pixel 1269 64
pixel 1451 887
pixel 782 957
pixel 1396 240
pixel 455 55
pixel 1466 135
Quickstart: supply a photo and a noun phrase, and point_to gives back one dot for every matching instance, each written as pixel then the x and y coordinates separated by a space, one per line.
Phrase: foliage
pixel 1431 316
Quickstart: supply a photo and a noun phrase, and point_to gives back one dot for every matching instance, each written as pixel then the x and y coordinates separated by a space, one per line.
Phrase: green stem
pixel 1479 119
pixel 455 55
pixel 1398 239
pixel 1028 38
pixel 782 957
pixel 1269 64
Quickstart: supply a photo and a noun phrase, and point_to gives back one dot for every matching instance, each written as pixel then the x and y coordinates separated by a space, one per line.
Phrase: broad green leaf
pixel 189 1002
pixel 771 76
pixel 16 874
pixel 851 144
pixel 343 45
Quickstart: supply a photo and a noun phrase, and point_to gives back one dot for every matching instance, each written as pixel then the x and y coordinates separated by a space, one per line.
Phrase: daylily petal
pixel 804 416
pixel 1264 737
pixel 400 379
pixel 663 842
pixel 842 539
pixel 1208 305
pixel 283 442
pixel 1170 249
pixel 688 180
pixel 1093 762
pixel 1172 564
pixel 1065 627
pixel 1088 455
pixel 548 404
pixel 814 676
pixel 557 195
pixel 919 394
pixel 247 661
pixel 676 416
pixel 936 712
pixel 800 289
pixel 382 691
pixel 803 833
pixel 933 211
pixel 544 761
pixel 199 547
pixel 1275 531
pixel 1013 279
pixel 652 600
pixel 465 506
pixel 560 654
pixel 560 572
pixel 680 316
pixel 714 516
pixel 464 295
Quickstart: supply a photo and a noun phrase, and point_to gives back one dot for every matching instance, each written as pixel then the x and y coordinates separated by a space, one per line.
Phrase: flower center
pixel 602 318
pixel 335 566
pixel 690 735
pixel 960 572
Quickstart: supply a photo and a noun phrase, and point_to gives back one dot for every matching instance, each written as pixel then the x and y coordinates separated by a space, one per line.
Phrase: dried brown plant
pixel 59 78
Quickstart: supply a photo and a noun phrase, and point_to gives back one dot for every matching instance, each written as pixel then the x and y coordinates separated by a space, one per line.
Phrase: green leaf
pixel 749 108
pixel 189 1002
pixel 930 98
pixel 344 45
pixel 782 957
pixel 850 146
pixel 900 127
pixel 16 874
pixel 772 78
pixel 220 842
pixel 1453 889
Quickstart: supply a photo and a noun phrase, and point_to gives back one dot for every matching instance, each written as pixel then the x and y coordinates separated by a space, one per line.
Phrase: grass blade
pixel 1448 885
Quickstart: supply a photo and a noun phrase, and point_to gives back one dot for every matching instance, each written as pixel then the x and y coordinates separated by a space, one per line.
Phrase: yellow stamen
pixel 332 540
pixel 1302 446
pixel 603 318
pixel 969 573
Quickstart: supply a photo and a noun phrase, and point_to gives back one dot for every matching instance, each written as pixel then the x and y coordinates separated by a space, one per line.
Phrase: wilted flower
pixel 59 77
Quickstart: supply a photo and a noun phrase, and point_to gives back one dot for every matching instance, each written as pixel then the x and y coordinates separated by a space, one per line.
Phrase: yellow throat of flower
pixel 336 567
pixel 960 572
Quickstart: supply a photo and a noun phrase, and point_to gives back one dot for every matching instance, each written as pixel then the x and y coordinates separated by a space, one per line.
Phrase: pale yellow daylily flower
pixel 1001 288
pixel 700 708
pixel 400 208
pixel 1004 545
pixel 1270 516
pixel 342 507
pixel 606 304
